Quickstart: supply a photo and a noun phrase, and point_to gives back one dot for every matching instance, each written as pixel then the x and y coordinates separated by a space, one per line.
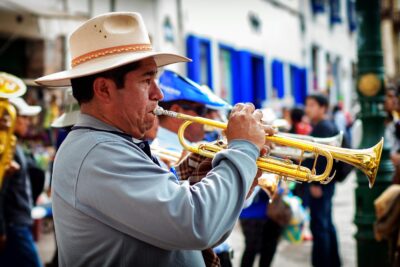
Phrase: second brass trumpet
pixel 367 160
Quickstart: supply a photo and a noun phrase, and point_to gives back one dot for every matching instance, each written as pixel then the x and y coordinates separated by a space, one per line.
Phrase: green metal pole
pixel 371 93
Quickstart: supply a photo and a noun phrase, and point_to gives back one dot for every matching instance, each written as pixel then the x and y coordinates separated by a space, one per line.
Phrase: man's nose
pixel 156 92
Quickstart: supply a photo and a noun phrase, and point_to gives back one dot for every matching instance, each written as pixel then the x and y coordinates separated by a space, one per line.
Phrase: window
pixel 335 10
pixel 226 73
pixel 278 81
pixel 298 82
pixel 318 6
pixel 199 50
pixel 352 16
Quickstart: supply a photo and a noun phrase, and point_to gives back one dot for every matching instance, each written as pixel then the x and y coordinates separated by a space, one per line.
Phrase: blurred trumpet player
pixel 185 96
pixel 325 252
pixel 17 247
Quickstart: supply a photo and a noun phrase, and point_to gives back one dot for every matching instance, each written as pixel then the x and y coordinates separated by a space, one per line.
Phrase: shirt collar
pixel 90 121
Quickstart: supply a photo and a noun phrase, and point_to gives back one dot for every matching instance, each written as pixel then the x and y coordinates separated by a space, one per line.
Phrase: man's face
pixel 314 111
pixel 391 101
pixel 134 104
pixel 195 132
pixel 22 126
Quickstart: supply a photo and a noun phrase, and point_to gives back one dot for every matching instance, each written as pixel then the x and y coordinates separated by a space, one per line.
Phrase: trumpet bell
pixel 366 160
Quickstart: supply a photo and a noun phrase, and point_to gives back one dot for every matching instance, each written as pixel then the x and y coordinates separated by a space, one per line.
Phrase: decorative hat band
pixel 110 51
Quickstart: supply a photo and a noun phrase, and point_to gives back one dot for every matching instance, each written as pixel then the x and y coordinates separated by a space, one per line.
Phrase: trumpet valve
pixel 269 183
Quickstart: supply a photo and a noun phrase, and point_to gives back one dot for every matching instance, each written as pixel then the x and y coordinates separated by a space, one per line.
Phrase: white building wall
pixel 281 36
pixel 335 40
pixel 227 22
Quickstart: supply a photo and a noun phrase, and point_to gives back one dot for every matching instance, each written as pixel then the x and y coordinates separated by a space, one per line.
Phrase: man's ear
pixel 103 89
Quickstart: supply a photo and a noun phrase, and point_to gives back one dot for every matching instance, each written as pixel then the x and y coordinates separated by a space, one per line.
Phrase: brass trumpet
pixel 10 86
pixel 293 153
pixel 367 160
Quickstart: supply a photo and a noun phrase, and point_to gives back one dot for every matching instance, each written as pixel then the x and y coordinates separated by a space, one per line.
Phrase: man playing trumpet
pixel 113 205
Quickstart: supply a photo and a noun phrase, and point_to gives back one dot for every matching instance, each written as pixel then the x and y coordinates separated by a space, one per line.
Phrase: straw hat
pixel 106 42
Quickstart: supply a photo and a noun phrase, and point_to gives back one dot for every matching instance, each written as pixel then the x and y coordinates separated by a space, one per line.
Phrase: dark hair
pixel 82 87
pixel 297 114
pixel 321 99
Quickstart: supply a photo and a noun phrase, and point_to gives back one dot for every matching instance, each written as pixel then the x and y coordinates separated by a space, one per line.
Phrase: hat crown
pixel 107 31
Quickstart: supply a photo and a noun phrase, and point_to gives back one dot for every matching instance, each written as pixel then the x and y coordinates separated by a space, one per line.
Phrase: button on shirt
pixel 113 206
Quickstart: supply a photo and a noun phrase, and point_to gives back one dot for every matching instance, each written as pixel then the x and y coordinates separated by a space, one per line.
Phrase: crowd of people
pixel 124 191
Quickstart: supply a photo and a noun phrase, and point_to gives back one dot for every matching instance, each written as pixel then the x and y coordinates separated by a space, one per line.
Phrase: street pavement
pixel 287 255
pixel 299 255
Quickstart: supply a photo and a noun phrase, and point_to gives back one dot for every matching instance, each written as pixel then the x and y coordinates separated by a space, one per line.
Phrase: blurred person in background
pixel 261 232
pixel 392 128
pixel 391 106
pixel 325 251
pixel 299 123
pixel 344 122
pixel 182 95
pixel 51 113
pixel 260 229
pixel 339 117
pixel 217 113
pixel 20 190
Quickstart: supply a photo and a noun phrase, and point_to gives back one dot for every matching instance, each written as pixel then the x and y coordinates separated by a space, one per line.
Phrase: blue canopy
pixel 176 87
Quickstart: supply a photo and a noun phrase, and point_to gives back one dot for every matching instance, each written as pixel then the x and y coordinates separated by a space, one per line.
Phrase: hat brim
pixel 29 111
pixel 66 120
pixel 105 63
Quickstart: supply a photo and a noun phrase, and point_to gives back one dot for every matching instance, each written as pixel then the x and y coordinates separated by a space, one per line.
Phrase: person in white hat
pixel 112 204
pixel 17 247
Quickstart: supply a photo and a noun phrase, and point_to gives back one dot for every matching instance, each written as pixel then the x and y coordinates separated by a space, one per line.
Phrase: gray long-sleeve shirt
pixel 114 207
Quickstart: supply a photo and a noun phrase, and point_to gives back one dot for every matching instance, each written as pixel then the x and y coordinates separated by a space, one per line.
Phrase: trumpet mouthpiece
pixel 158 111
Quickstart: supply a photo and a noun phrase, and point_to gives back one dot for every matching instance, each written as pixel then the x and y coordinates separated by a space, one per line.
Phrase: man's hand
pixel 316 191
pixel 12 168
pixel 245 123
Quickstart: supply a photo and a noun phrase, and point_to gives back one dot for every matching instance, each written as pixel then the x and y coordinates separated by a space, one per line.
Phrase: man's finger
pixel 257 114
pixel 269 130
pixel 249 107
pixel 238 107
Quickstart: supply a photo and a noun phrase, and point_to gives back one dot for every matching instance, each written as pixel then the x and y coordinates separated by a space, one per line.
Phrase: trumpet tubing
pixel 367 160
pixel 8 140
pixel 293 153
